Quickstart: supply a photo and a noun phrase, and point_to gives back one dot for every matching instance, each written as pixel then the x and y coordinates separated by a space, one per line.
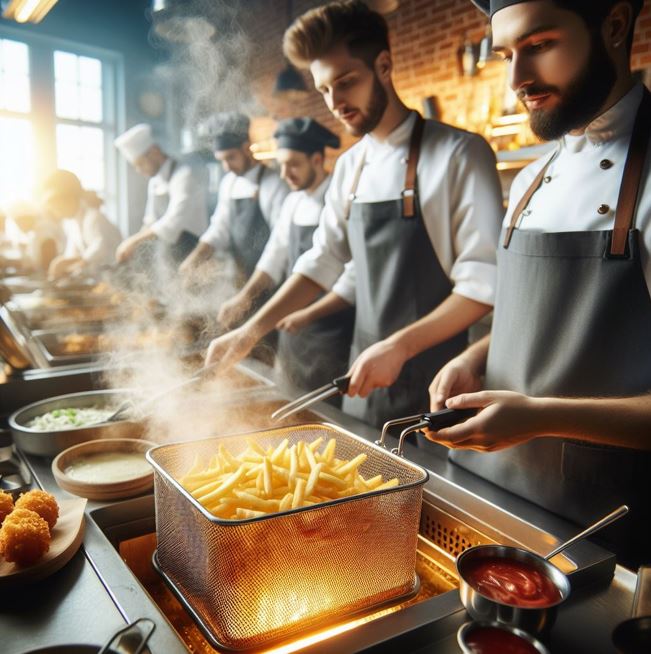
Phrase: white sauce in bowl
pixel 108 467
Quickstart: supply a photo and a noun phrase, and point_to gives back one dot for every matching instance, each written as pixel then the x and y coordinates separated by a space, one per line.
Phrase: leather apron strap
pixel 409 191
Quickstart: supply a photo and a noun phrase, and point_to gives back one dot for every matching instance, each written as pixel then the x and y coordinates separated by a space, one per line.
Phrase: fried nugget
pixel 24 537
pixel 6 505
pixel 40 502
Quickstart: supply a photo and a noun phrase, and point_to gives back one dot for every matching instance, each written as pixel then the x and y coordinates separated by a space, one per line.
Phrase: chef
pixel 250 197
pixel 415 204
pixel 318 352
pixel 176 212
pixel 568 363
pixel 91 238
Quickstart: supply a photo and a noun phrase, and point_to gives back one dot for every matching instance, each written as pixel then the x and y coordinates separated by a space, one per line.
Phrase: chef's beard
pixel 307 182
pixel 584 97
pixel 374 112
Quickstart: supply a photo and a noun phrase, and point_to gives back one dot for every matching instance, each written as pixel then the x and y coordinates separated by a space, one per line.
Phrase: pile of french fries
pixel 258 482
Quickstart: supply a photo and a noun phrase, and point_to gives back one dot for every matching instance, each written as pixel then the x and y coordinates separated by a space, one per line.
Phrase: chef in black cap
pixel 314 344
pixel 250 197
pixel 573 307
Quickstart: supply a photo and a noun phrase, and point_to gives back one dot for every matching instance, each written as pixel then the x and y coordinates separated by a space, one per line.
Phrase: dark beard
pixel 586 94
pixel 375 110
pixel 309 181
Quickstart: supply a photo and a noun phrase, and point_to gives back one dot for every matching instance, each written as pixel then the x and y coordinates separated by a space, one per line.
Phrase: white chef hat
pixel 135 142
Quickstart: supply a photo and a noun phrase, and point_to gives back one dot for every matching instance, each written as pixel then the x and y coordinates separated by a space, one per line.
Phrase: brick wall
pixel 425 36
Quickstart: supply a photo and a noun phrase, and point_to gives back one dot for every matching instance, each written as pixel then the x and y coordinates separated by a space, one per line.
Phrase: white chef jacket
pixel 271 193
pixel 177 200
pixel 92 237
pixel 31 242
pixel 301 208
pixel 460 199
pixel 577 185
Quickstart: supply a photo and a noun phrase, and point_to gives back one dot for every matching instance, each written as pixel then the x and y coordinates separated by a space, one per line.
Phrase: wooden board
pixel 67 536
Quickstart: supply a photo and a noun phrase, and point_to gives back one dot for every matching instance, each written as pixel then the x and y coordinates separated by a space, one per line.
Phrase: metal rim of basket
pixel 352 498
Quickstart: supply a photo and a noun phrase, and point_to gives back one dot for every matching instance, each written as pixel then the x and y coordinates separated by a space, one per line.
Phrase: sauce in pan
pixel 512 582
pixel 491 640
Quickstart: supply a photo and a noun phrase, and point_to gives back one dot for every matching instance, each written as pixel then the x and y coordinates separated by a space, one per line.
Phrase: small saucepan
pixel 496 638
pixel 516 587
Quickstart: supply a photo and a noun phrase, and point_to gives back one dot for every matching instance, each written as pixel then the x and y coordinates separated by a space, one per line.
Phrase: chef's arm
pixel 379 365
pixel 324 306
pixel 202 252
pixel 128 247
pixel 506 418
pixel 297 292
pixel 233 310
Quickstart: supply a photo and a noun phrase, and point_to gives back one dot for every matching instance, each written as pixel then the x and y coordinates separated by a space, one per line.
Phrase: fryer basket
pixel 257 581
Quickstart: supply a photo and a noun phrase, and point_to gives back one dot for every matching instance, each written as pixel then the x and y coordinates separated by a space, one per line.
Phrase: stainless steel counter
pixel 96 592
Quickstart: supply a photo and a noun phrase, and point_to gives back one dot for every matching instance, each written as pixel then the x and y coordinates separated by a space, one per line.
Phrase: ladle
pixel 600 524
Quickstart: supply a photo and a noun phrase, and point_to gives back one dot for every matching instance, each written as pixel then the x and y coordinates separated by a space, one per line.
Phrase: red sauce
pixel 512 582
pixel 491 640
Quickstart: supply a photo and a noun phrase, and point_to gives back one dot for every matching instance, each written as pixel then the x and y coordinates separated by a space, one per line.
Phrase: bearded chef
pixel 176 212
pixel 319 351
pixel 416 205
pixel 250 197
pixel 568 363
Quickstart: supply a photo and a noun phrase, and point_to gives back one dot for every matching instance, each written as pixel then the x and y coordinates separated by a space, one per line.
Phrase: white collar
pixel 397 137
pixel 614 123
pixel 318 193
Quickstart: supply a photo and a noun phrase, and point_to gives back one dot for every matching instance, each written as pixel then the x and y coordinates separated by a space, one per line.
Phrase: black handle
pixel 342 384
pixel 447 418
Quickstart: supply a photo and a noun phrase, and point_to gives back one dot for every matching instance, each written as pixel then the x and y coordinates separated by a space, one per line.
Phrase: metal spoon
pixel 600 524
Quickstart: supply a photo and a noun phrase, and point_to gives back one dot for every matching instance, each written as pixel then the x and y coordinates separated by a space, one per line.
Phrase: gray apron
pixel 319 352
pixel 573 318
pixel 249 230
pixel 398 281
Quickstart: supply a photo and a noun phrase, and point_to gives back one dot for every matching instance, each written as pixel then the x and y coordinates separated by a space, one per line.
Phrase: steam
pixel 211 59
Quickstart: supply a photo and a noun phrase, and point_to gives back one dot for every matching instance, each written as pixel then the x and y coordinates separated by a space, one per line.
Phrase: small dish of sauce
pixel 493 640
pixel 108 467
pixel 512 582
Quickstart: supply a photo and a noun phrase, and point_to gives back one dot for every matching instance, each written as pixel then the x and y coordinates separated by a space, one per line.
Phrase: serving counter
pixel 110 581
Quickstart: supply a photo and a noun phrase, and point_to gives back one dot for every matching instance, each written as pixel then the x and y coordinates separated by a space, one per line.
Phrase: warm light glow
pixel 33 11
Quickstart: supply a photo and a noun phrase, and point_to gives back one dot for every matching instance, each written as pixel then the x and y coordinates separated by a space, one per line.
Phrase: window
pixel 79 130
pixel 16 131
pixel 58 109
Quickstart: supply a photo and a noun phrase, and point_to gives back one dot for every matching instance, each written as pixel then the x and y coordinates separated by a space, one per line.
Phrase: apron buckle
pixel 408 196
pixel 612 253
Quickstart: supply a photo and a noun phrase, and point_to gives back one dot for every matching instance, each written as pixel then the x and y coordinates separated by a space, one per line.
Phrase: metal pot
pixel 535 620
pixel 465 630
pixel 50 443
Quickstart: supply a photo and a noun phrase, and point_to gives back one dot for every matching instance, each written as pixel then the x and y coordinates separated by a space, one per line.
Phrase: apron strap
pixel 409 192
pixel 633 168
pixel 524 200
pixel 173 168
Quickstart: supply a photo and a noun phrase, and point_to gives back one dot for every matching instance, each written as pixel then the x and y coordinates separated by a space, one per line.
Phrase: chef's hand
pixel 127 248
pixel 504 419
pixel 227 350
pixel 232 311
pixel 296 321
pixel 458 375
pixel 58 268
pixel 377 366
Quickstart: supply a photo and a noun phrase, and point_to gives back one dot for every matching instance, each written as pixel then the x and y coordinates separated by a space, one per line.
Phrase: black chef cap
pixel 305 135
pixel 492 6
pixel 231 130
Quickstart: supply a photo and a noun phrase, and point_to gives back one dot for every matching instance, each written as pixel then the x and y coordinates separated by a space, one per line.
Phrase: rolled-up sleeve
pixel 324 262
pixel 344 287
pixel 183 188
pixel 476 216
pixel 275 256
pixel 218 233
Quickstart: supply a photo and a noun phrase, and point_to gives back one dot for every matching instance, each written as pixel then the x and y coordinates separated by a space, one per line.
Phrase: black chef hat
pixel 231 130
pixel 305 135
pixel 492 6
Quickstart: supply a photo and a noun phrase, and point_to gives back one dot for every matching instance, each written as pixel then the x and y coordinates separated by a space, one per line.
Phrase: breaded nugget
pixel 42 503
pixel 6 505
pixel 24 537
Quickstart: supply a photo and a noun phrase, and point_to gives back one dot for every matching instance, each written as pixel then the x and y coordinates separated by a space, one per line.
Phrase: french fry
pixel 260 481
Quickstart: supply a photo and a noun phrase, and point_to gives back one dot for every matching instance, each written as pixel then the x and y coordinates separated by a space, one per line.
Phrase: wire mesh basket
pixel 265 579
